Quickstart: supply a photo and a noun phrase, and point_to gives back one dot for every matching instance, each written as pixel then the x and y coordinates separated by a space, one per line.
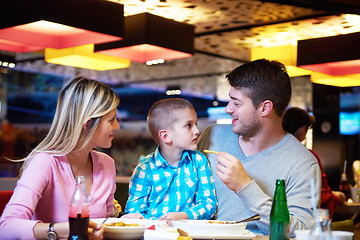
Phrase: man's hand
pixel 231 172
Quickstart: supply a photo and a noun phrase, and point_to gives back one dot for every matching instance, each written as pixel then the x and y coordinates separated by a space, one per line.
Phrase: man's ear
pixel 266 107
pixel 164 136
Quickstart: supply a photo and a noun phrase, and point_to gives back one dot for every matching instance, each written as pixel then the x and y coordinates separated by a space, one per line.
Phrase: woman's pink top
pixel 43 193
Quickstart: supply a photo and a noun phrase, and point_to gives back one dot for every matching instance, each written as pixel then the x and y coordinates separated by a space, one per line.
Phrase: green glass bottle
pixel 279 215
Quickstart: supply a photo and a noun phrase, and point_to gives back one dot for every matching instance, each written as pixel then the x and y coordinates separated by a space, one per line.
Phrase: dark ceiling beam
pixel 339 6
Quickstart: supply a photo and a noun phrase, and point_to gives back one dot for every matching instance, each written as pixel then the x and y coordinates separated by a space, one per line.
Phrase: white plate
pixel 128 233
pixel 209 229
pixel 247 235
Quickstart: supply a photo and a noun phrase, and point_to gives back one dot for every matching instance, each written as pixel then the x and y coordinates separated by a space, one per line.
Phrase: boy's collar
pixel 160 160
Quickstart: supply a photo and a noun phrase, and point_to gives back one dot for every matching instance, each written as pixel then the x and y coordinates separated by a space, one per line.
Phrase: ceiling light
pixel 154 62
pixel 336 55
pixel 319 73
pixel 173 90
pixel 84 57
pixel 7 61
pixel 148 37
pixel 350 80
pixel 286 54
pixel 334 60
pixel 34 25
pixel 352 19
pixel 153 1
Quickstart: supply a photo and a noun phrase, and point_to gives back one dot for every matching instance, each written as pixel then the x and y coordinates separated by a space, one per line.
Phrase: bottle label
pixel 82 209
pixel 279 231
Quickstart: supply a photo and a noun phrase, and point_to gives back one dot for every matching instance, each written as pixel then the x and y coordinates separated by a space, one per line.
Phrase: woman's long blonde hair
pixel 80 101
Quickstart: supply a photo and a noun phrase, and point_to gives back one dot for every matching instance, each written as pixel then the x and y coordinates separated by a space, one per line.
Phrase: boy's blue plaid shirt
pixel 157 188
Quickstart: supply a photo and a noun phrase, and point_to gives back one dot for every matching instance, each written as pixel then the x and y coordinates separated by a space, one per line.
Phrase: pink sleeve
pixel 16 223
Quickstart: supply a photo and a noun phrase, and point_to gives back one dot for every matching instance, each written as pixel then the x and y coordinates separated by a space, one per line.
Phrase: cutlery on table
pixel 252 218
pixel 105 220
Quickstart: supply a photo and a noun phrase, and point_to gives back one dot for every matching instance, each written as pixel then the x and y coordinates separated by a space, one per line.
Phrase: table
pixel 347 208
pixel 265 238
pixel 261 238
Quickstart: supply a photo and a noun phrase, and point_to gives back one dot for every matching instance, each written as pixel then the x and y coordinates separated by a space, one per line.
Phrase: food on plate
pixel 218 222
pixel 122 224
pixel 211 151
pixel 184 238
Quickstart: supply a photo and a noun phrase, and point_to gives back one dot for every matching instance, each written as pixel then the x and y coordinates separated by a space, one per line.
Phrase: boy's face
pixel 185 133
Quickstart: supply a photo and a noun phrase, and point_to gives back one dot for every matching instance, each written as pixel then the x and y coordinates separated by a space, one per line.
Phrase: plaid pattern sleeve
pixel 139 191
pixel 205 201
pixel 157 188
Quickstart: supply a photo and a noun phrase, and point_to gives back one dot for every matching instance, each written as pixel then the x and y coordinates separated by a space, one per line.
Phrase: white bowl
pixel 342 235
pixel 124 232
pixel 302 234
pixel 336 235
pixel 210 228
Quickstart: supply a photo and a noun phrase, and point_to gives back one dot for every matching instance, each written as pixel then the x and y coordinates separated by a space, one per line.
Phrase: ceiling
pixel 230 28
pixel 226 31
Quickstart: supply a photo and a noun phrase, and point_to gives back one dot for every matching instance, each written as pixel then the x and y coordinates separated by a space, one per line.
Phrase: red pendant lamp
pixel 30 25
pixel 149 37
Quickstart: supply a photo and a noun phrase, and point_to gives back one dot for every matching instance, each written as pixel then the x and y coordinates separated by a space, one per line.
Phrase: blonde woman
pixel 85 118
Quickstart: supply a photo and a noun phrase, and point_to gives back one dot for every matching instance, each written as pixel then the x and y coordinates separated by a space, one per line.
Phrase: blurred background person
pixel 297 122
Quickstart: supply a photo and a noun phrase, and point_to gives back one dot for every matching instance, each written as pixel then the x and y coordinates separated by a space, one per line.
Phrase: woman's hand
pixel 95 231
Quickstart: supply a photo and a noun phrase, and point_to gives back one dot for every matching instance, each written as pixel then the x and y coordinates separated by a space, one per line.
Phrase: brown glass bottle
pixel 345 186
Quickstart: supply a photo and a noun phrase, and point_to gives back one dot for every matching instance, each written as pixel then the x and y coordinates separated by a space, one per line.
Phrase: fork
pixel 249 219
pixel 105 220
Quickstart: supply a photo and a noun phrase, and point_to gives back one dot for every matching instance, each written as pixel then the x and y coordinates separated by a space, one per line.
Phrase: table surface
pixel 261 237
pixel 347 208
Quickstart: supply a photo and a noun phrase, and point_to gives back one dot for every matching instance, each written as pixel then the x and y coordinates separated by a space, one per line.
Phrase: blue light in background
pixel 349 123
pixel 216 113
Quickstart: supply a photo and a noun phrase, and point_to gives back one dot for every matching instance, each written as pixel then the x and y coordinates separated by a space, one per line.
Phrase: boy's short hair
pixel 161 114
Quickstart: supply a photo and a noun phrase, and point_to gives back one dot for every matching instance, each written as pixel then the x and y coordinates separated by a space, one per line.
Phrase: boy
pixel 175 181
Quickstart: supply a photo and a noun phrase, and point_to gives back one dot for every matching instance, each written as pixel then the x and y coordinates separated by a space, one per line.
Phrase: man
pixel 255 151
